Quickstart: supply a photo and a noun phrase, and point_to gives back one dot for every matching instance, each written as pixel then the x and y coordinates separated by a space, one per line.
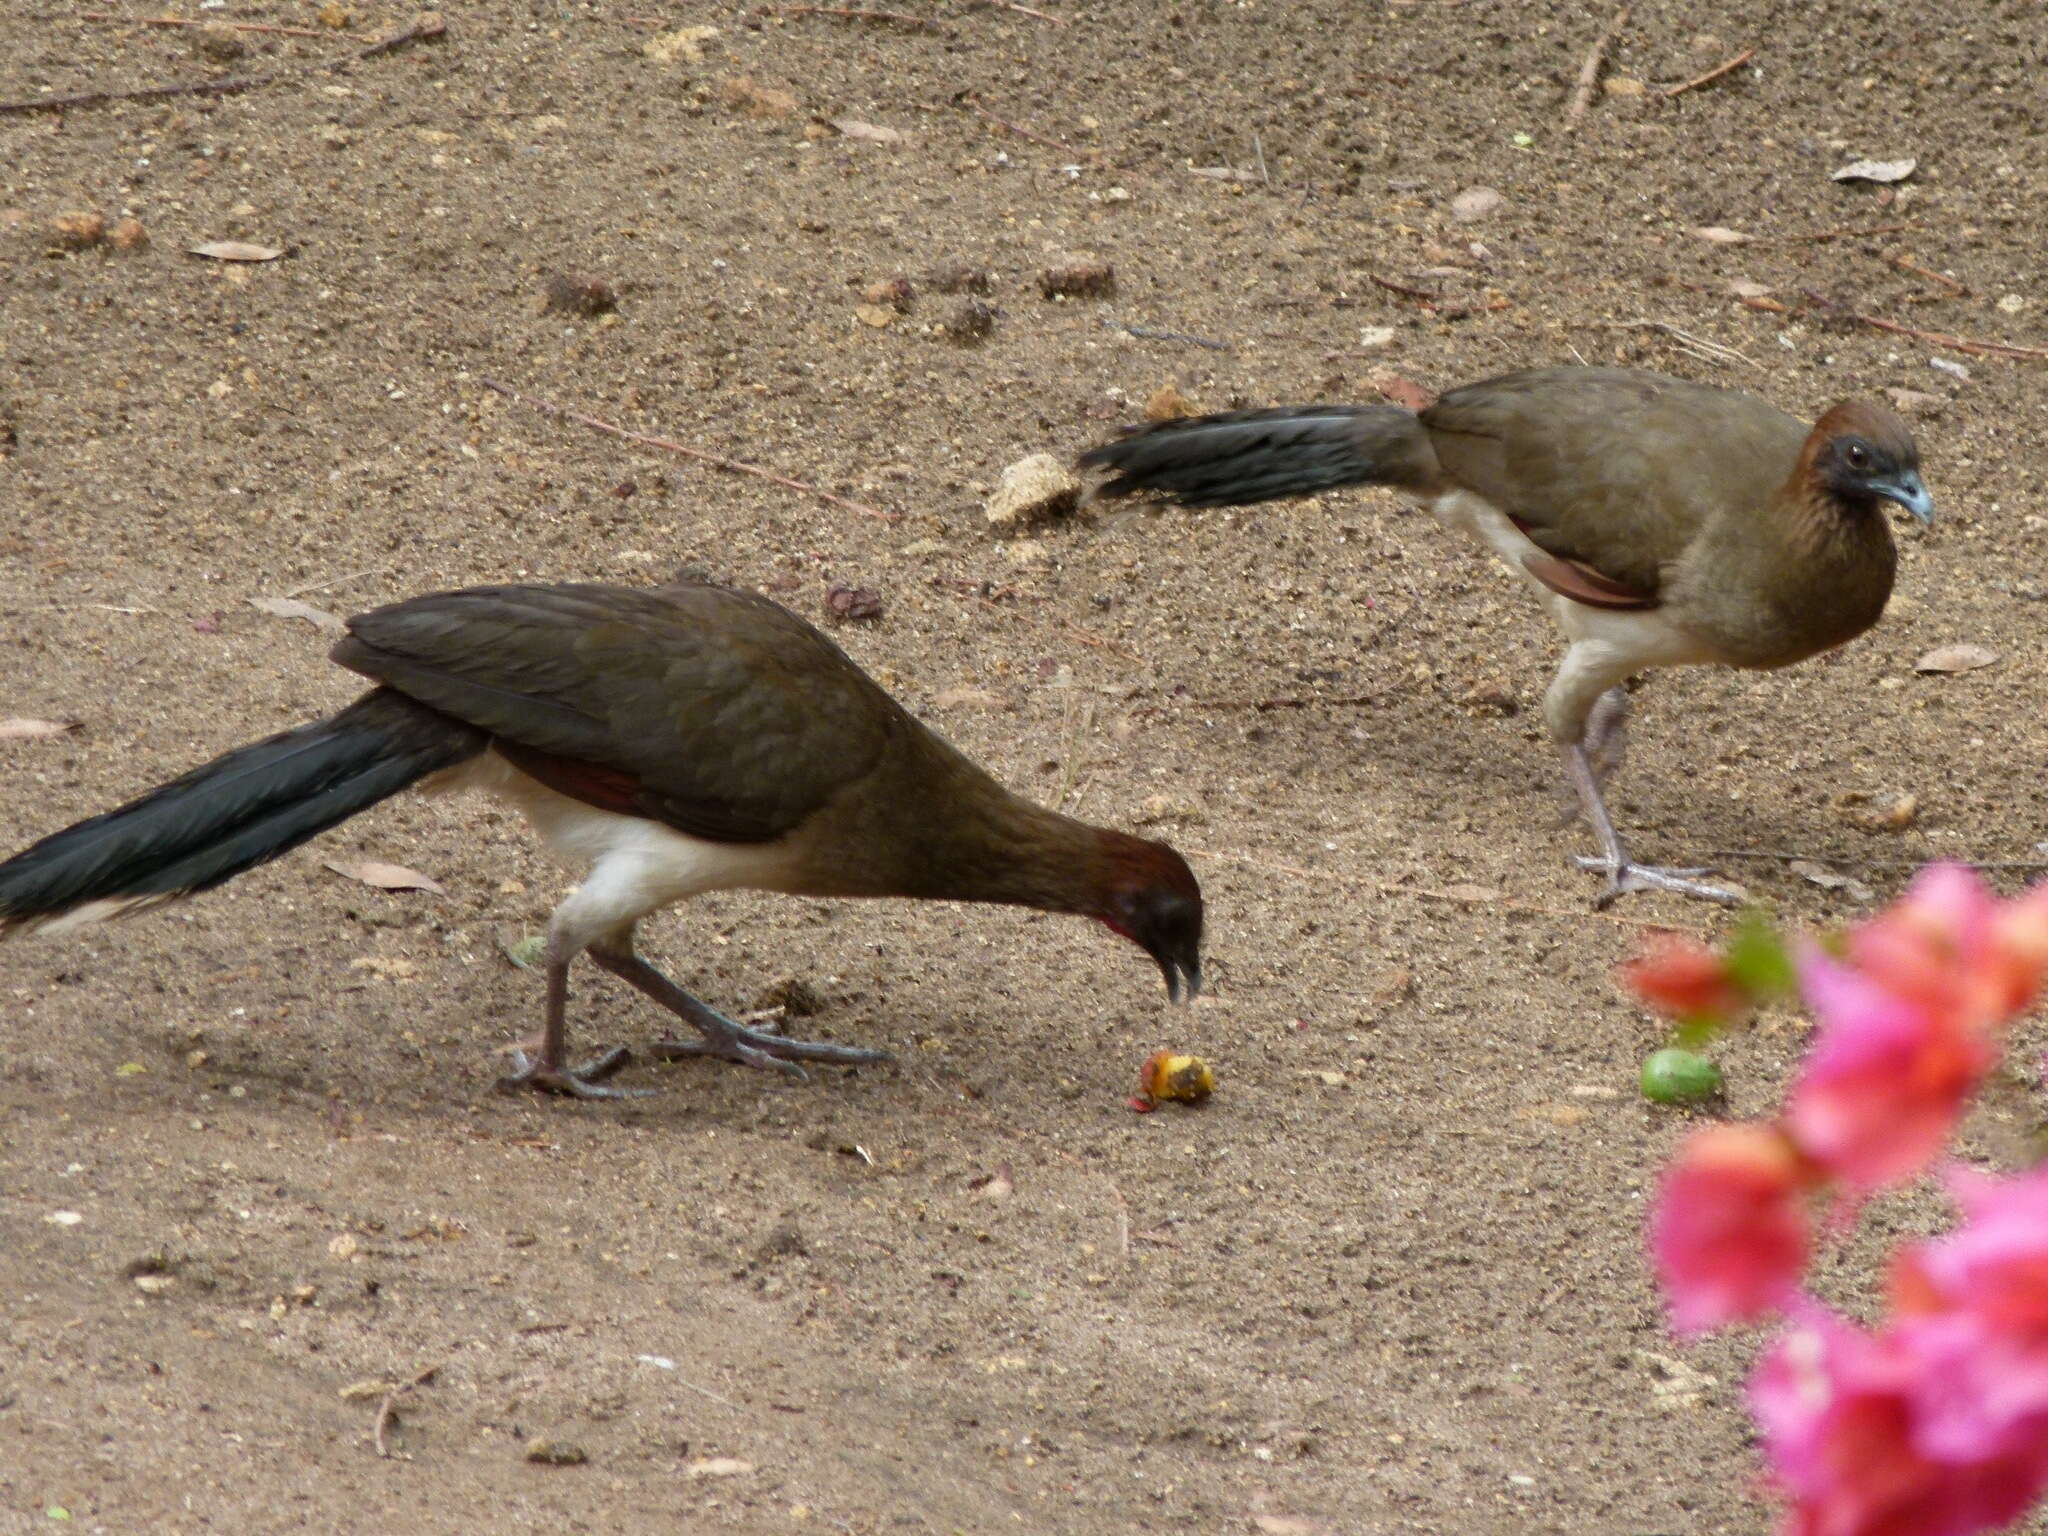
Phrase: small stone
pixel 578 294
pixel 852 605
pixel 895 292
pixel 1167 403
pixel 153 1285
pixel 1375 338
pixel 970 324
pixel 1078 280
pixel 1031 490
pixel 1171 807
pixel 219 42
pixel 127 236
pixel 78 231
pixel 963 279
pixel 1622 85
pixel 2012 303
pixel 719 1466
pixel 1917 402
pixel 744 95
pixel 796 997
pixel 345 1246
pixel 874 315
pixel 554 1453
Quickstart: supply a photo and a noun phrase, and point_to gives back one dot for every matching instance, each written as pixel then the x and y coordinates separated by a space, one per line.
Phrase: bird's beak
pixel 1183 977
pixel 1905 488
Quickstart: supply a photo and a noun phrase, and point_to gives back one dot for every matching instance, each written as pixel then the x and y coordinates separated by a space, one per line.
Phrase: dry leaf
pixel 1475 203
pixel 1403 391
pixel 999 1185
pixel 1955 658
pixel 687 44
pixel 1716 234
pixel 854 128
pixel 1743 288
pixel 22 728
pixel 1828 880
pixel 292 608
pixel 386 877
pixel 719 1466
pixel 1876 170
pixel 235 250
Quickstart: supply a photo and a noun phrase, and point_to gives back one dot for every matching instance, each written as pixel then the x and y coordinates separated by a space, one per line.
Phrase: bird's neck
pixel 931 824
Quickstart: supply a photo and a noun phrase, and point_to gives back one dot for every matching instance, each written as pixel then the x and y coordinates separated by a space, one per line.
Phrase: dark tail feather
pixel 1247 456
pixel 233 813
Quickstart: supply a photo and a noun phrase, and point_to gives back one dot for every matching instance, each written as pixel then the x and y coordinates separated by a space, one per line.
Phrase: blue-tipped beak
pixel 1905 488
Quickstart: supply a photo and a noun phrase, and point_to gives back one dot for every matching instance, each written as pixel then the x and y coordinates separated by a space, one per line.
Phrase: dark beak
pixel 1905 488
pixel 1183 975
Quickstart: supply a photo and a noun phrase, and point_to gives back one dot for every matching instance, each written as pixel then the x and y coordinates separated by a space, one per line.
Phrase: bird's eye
pixel 1858 456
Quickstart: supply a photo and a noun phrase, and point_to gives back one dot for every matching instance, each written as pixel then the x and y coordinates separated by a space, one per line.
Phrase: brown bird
pixel 675 740
pixel 1662 523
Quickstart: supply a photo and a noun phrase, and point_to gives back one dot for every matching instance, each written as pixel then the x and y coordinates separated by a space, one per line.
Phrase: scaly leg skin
pixel 549 1071
pixel 723 1039
pixel 1606 738
pixel 1623 876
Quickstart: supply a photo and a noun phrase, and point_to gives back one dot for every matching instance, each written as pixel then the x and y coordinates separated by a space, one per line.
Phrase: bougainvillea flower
pixel 1730 1233
pixel 1952 947
pixel 1974 1306
pixel 1885 1081
pixel 1681 978
pixel 1836 1407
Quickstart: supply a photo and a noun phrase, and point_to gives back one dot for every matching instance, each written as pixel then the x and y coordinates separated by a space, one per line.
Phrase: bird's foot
pixel 723 1040
pixel 584 1082
pixel 1624 877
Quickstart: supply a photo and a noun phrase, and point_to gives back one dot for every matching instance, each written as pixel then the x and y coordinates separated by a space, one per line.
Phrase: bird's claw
pixel 1624 878
pixel 584 1082
pixel 764 1049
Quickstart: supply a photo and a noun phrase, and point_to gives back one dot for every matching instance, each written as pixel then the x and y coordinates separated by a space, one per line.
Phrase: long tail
pixel 1246 456
pixel 232 814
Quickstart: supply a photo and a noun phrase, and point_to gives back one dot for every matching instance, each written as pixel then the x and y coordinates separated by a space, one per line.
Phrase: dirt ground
pixel 1389 1279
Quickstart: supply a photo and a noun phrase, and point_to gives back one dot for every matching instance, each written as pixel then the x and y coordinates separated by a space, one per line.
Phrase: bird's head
pixel 1149 895
pixel 1861 454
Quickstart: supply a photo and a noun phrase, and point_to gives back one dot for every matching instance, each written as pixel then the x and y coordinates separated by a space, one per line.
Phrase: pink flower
pixel 1730 1233
pixel 1836 1407
pixel 1885 1081
pixel 1954 949
pixel 1974 1306
pixel 1683 979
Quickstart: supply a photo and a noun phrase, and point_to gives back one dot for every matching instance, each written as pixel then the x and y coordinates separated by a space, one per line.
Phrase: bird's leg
pixel 723 1039
pixel 1623 876
pixel 550 1071
pixel 1607 734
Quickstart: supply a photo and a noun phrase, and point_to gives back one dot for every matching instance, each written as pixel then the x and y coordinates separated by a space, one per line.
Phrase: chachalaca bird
pixel 673 740
pixel 1661 522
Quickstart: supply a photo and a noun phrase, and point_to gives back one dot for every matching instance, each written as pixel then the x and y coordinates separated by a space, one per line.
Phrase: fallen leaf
pixel 1963 657
pixel 386 877
pixel 999 1185
pixel 1743 288
pixel 1828 880
pixel 687 45
pixel 1717 234
pixel 235 250
pixel 1403 391
pixel 292 608
pixel 719 1466
pixel 1876 170
pixel 22 728
pixel 1475 203
pixel 870 133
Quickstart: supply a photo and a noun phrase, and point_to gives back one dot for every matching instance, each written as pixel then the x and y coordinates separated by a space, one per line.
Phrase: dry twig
pixel 1907 264
pixel 1012 5
pixel 1932 338
pixel 1838 234
pixel 1711 75
pixel 1692 346
pixel 1589 72
pixel 670 445
pixel 853 14
pixel 232 26
pixel 427 28
pixel 387 1411
pixel 1022 133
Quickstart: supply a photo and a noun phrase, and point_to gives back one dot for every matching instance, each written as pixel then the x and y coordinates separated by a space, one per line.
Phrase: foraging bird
pixel 673 740
pixel 1661 522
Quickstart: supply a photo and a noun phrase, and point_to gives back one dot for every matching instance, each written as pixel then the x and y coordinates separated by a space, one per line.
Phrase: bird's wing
pixel 716 712
pixel 1613 469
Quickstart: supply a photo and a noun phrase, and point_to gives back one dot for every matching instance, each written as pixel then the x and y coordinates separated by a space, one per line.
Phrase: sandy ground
pixel 1389 1279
